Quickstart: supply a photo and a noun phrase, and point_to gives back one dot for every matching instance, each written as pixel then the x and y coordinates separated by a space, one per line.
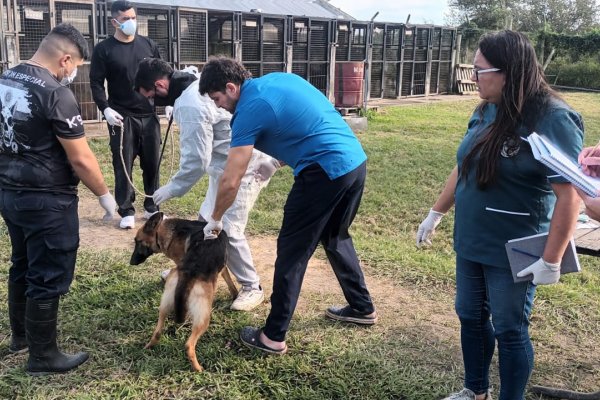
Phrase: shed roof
pixel 308 8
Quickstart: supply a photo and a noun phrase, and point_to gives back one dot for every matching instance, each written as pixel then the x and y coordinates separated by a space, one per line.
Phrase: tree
pixel 562 16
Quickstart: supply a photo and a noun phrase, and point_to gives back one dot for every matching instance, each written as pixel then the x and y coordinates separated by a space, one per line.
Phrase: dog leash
pixel 112 131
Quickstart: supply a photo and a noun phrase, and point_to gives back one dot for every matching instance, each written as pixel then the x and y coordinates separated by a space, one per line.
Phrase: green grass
pixel 111 309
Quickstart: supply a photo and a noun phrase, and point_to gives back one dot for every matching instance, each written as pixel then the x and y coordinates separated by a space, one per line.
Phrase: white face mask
pixel 128 27
pixel 67 80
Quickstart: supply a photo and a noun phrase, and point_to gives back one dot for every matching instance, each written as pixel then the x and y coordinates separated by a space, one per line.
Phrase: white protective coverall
pixel 204 135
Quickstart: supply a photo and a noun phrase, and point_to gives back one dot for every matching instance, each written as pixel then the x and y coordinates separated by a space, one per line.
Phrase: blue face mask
pixel 128 27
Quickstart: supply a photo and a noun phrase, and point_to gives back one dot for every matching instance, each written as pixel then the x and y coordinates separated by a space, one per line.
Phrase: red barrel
pixel 348 85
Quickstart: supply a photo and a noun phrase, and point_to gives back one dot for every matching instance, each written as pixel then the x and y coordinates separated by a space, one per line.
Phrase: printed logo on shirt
pixel 510 147
pixel 75 121
pixel 14 107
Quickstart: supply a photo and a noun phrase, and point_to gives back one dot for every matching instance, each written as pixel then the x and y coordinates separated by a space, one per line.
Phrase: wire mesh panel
pixel 444 74
pixel 390 84
pixel 273 38
pixel 300 40
pixel 342 52
pixel 254 68
pixel 80 16
pixel 376 79
pixel 250 38
pixel 33 23
pixel 319 33
pixel 447 40
pixel 300 69
pixel 378 43
pixel 154 24
pixel 419 74
pixel 433 80
pixel 407 76
pixel 318 74
pixel 192 37
pixel 436 41
pixel 358 44
pixel 422 43
pixel 220 34
pixel 393 40
pixel 409 44
pixel 83 93
pixel 5 23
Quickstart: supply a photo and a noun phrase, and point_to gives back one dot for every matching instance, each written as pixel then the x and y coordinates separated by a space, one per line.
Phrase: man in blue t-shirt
pixel 287 118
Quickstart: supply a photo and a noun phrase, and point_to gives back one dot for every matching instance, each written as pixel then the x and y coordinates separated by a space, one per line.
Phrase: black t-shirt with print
pixel 36 110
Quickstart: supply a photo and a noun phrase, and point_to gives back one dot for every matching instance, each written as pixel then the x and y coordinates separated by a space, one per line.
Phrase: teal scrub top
pixel 520 202
pixel 286 117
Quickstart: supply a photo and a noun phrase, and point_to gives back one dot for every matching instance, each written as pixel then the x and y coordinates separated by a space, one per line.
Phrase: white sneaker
pixel 127 222
pixel 248 299
pixel 148 214
pixel 164 274
pixel 467 394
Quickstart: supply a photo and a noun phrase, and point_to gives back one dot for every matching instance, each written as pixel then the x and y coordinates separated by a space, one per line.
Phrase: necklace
pixel 32 61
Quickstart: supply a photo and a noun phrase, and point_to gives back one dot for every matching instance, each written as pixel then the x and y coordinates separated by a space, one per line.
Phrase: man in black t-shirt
pixel 127 112
pixel 43 156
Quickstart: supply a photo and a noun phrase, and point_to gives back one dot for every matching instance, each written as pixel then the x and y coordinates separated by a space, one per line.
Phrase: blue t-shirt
pixel 520 202
pixel 287 118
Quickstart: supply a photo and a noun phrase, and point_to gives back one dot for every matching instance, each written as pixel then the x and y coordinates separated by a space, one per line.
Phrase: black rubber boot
pixel 44 356
pixel 16 314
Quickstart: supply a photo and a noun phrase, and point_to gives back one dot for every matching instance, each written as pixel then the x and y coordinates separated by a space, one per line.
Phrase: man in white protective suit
pixel 204 135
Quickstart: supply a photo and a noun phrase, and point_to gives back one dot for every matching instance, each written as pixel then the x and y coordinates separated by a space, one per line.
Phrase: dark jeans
pixel 44 233
pixel 142 138
pixel 317 210
pixel 483 291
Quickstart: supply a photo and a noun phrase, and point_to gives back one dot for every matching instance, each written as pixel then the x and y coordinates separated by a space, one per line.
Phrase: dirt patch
pixel 396 305
pixel 403 309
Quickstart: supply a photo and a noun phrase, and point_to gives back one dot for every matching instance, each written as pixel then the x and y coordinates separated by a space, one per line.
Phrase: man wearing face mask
pixel 115 60
pixel 43 157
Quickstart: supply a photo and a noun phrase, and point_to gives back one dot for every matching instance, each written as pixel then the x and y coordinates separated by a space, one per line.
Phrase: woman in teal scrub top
pixel 500 192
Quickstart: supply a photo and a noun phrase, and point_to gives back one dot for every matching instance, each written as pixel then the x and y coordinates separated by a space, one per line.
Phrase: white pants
pixel 239 258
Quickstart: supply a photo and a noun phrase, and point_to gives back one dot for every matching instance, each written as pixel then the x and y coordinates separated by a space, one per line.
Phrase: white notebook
pixel 548 154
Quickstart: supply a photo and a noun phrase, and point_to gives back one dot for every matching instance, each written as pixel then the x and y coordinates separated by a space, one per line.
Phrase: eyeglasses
pixel 484 71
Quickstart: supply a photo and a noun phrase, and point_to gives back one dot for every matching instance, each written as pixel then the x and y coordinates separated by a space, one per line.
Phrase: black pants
pixel 44 234
pixel 142 138
pixel 317 210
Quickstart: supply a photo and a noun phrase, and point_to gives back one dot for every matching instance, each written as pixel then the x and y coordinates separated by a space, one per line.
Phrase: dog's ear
pixel 155 220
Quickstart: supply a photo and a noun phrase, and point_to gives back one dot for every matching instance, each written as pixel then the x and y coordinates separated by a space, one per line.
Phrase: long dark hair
pixel 524 96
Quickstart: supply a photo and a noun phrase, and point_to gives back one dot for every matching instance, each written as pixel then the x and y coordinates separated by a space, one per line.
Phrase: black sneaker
pixel 348 314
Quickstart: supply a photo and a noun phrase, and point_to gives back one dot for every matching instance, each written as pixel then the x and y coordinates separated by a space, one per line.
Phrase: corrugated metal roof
pixel 309 8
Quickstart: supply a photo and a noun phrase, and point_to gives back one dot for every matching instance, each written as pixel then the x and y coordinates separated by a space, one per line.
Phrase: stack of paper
pixel 548 154
pixel 522 252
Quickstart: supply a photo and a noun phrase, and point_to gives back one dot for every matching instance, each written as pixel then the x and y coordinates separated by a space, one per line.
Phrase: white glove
pixel 265 169
pixel 161 195
pixel 212 228
pixel 112 117
pixel 168 112
pixel 427 227
pixel 107 201
pixel 544 273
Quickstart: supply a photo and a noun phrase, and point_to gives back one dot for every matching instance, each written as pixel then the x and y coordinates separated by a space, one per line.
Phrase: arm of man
pixel 562 224
pixel 196 144
pixel 97 77
pixel 235 169
pixel 84 164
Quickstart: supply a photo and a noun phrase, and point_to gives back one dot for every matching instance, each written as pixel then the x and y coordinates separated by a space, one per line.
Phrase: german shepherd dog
pixel 190 287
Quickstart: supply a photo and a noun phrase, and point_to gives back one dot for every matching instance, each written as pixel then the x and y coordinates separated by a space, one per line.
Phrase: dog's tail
pixel 181 294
